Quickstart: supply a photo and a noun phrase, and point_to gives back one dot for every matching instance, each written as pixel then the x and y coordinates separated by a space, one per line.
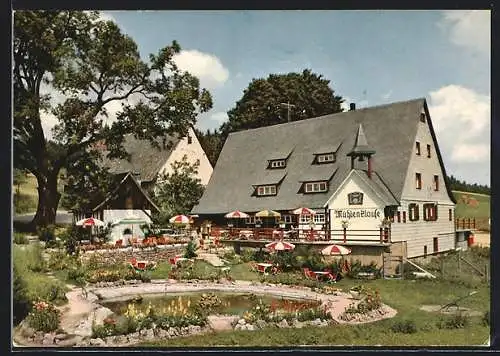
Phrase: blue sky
pixel 370 57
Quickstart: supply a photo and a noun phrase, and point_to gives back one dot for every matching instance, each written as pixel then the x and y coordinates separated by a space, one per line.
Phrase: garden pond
pixel 216 303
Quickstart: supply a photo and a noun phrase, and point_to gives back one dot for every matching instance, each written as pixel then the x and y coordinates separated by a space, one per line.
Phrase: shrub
pixel 456 321
pixel 46 233
pixel 30 258
pixel 24 203
pixel 20 301
pixel 44 317
pixel 247 255
pixel 404 327
pixel 43 287
pixel 190 250
pixel 20 238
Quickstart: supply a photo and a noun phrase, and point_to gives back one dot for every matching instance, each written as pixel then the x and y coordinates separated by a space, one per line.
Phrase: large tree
pixel 90 63
pixel 261 104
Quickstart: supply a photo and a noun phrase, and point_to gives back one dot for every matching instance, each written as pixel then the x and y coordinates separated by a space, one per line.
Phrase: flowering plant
pixel 44 316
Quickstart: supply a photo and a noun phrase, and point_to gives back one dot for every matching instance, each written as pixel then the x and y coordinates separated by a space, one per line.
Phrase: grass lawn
pixel 404 295
pixel 467 208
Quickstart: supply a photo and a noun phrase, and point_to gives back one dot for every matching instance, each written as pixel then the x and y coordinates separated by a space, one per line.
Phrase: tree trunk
pixel 48 200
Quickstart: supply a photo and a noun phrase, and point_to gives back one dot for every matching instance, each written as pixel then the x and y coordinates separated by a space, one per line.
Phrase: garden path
pixel 211 258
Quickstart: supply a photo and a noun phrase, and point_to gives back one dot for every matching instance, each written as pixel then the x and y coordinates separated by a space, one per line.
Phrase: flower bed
pixel 43 317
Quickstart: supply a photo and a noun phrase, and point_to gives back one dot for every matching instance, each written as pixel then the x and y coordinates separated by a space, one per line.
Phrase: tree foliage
pixel 260 105
pixel 90 63
pixel 463 186
pixel 179 191
pixel 211 142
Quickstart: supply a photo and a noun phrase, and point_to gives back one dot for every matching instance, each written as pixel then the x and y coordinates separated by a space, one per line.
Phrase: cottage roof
pixel 146 160
pixel 391 129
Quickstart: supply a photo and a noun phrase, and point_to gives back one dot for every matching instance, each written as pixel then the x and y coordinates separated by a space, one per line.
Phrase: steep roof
pixel 145 159
pixel 361 143
pixel 242 162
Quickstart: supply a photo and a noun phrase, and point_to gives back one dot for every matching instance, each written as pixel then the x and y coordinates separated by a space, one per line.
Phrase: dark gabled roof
pixel 123 179
pixel 391 130
pixel 145 159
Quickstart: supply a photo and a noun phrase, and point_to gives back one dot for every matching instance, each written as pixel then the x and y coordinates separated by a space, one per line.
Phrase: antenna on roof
pixel 288 106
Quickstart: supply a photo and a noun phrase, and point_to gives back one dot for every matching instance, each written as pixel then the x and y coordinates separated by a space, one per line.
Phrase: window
pixel 399 216
pixel 288 219
pixel 315 187
pixel 306 219
pixel 428 151
pixel 325 158
pixel 278 163
pixel 418 180
pixel 435 244
pixel 190 140
pixel 430 212
pixel 319 218
pixel 422 116
pixel 425 251
pixel 404 216
pixel 436 183
pixel 253 220
pixel 450 215
pixel 413 212
pixel 266 190
pixel 418 148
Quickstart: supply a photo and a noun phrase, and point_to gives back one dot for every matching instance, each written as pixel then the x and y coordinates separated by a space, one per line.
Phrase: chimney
pixel 352 106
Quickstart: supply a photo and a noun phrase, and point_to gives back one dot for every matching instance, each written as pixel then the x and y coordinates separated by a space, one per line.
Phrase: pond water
pixel 231 303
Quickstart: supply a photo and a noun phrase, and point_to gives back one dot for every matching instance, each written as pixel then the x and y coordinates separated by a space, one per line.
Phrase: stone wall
pixel 117 256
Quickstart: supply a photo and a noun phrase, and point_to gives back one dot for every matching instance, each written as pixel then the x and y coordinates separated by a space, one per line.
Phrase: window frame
pixel 423 117
pixel 317 220
pixel 324 158
pixel 430 212
pixel 417 147
pixel 413 212
pixel 277 163
pixel 189 139
pixel 266 190
pixel 428 151
pixel 288 219
pixel 418 180
pixel 315 187
pixel 450 215
pixel 436 183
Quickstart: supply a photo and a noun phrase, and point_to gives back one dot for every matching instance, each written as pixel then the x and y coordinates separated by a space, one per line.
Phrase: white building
pixel 361 169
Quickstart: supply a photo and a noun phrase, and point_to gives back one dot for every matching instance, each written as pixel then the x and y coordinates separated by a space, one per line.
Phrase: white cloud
pixel 468 28
pixel 207 67
pixel 220 117
pixel 461 119
pixel 471 152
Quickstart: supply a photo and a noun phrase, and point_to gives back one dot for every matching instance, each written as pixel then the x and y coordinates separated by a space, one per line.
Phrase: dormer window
pixel 277 163
pixel 265 190
pixel 315 187
pixel 324 158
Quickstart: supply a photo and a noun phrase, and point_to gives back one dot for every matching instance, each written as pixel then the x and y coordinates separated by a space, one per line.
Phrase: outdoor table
pixel 265 265
pixel 320 274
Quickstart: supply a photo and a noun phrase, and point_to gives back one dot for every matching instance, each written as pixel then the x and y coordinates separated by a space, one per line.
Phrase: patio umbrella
pixel 268 214
pixel 303 211
pixel 336 250
pixel 89 222
pixel 236 215
pixel 180 219
pixel 280 246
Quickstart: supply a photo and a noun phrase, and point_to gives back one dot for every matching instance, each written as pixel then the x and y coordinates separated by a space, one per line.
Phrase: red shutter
pixel 404 216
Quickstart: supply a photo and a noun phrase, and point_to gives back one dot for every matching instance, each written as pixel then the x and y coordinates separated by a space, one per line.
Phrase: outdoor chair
pixel 141 266
pixel 119 243
pixel 254 267
pixel 309 274
pixel 332 277
pixel 275 270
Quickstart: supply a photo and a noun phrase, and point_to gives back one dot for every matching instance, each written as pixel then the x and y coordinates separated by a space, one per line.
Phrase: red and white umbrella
pixel 335 250
pixel 303 211
pixel 90 222
pixel 280 246
pixel 236 215
pixel 180 219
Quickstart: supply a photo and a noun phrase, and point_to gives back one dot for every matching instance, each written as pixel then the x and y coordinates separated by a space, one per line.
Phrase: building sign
pixel 355 198
pixel 357 213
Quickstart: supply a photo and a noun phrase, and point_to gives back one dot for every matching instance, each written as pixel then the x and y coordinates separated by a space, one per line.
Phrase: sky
pixel 370 57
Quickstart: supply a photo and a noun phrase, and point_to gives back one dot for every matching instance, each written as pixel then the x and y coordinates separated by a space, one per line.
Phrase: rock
pixel 109 339
pixel 26 330
pixel 250 327
pixel 97 342
pixel 162 334
pixel 150 335
pixel 61 336
pixel 298 324
pixel 242 322
pixel 283 324
pixel 238 327
pixel 261 324
pixel 48 339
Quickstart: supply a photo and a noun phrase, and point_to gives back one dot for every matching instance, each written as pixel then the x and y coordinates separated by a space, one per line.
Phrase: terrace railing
pixel 465 223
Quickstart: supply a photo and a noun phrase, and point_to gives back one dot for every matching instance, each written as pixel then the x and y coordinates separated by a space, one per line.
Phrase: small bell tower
pixel 361 150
